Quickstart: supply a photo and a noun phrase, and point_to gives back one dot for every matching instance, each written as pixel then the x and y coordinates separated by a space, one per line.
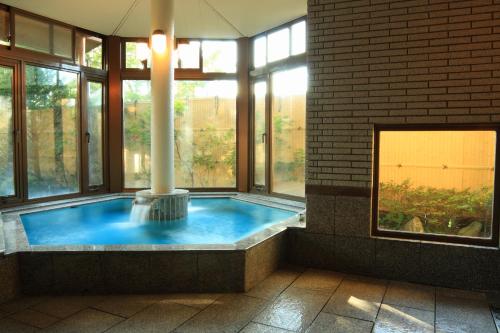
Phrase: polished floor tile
pixel 229 313
pixel 357 299
pixel 62 307
pixel 274 285
pixel 260 328
pixel 199 301
pixel 318 280
pixel 86 321
pixel 11 326
pixel 496 317
pixel 459 293
pixel 126 305
pixel 410 295
pixel 161 317
pixel 455 314
pixel 21 303
pixel 393 318
pixel 34 318
pixel 330 323
pixel 294 310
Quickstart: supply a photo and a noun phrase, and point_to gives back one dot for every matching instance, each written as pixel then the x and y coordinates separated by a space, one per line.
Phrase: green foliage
pixel 440 210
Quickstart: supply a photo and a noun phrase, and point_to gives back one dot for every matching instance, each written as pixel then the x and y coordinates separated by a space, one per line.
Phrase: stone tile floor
pixel 290 300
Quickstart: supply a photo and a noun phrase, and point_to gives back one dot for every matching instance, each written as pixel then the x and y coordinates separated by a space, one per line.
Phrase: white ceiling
pixel 193 18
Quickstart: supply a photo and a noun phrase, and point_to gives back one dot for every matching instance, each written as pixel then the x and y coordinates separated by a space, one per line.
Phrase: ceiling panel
pixel 194 18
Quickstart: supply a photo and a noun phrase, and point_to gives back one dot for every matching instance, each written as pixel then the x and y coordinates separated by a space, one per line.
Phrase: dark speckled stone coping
pixel 147 268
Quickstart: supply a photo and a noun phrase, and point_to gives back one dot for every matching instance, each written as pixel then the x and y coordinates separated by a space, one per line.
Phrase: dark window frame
pixel 265 74
pixel 376 232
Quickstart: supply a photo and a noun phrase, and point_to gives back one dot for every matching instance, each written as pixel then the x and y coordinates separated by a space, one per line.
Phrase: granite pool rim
pixel 14 238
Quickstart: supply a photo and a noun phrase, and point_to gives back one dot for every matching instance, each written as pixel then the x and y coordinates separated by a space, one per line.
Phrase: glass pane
pixel 288 131
pixel 4 27
pixel 260 92
pixel 219 56
pixel 32 34
pixel 260 52
pixel 278 45
pixel 7 186
pixel 62 41
pixel 188 55
pixel 94 128
pixel 52 132
pixel 135 52
pixel 88 50
pixel 137 133
pixel 205 133
pixel 299 38
pixel 437 182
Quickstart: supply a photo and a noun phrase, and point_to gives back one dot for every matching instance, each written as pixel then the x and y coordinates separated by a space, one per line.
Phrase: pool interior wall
pixel 101 269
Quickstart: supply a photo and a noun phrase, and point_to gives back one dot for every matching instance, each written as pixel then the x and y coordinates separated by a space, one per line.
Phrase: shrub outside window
pixel 435 184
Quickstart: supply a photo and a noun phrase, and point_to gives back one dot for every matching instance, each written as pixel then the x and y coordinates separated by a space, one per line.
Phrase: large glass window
pixel 205 133
pixel 299 38
pixel 137 133
pixel 436 182
pixel 95 133
pixel 88 50
pixel 260 133
pixel 7 185
pixel 219 56
pixel 41 36
pixel 278 45
pixel 288 131
pixel 52 131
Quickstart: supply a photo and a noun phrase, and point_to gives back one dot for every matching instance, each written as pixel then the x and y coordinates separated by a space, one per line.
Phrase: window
pixel 135 54
pixel 4 27
pixel 260 52
pixel 137 132
pixel 188 55
pixel 205 133
pixel 36 35
pixel 7 185
pixel 288 111
pixel 278 45
pixel 88 50
pixel 435 182
pixel 219 56
pixel 299 38
pixel 260 133
pixel 52 132
pixel 95 133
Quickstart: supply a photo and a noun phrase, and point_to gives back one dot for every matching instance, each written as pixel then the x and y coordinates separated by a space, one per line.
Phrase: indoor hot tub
pixel 227 243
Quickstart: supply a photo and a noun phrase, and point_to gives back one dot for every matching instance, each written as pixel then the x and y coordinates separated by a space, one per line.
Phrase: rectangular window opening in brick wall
pixel 436 183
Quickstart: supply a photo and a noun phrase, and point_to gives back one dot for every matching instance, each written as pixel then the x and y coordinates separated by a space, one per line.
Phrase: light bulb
pixel 159 41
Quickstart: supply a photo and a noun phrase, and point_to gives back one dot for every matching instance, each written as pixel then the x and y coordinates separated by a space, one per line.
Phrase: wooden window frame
pixel 376 232
pixel 265 73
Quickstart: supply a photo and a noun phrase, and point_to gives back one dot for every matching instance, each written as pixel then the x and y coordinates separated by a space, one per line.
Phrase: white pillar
pixel 162 115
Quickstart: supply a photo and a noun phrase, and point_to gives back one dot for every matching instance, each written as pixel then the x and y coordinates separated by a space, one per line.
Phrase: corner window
pixel 435 184
pixel 88 50
pixel 219 56
pixel 188 55
pixel 41 36
pixel 4 27
pixel 278 45
pixel 137 55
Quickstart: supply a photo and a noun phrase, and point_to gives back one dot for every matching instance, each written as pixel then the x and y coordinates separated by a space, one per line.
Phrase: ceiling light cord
pixel 125 17
pixel 224 18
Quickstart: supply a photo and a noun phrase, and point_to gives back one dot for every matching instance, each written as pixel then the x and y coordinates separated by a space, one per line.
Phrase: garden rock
pixel 472 230
pixel 415 225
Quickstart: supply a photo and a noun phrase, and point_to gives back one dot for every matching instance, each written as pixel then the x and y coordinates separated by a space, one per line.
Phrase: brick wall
pixel 386 61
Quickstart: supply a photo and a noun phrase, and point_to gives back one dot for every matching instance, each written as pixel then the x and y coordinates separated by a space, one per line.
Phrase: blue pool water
pixel 209 221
